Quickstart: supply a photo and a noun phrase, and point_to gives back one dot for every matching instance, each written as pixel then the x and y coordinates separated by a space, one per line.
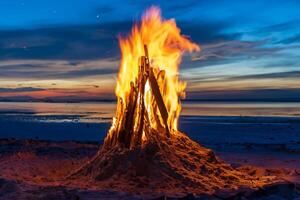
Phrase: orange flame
pixel 165 47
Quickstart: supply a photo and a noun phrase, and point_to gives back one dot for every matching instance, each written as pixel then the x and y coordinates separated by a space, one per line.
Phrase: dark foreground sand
pixel 31 169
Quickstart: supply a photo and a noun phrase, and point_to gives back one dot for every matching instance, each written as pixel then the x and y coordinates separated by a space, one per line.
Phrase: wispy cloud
pixel 281 94
pixel 56 69
pixel 21 89
pixel 291 40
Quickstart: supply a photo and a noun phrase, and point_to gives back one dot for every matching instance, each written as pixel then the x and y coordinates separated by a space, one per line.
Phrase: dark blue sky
pixel 250 49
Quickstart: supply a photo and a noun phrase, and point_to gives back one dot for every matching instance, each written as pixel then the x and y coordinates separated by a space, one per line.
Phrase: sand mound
pixel 170 166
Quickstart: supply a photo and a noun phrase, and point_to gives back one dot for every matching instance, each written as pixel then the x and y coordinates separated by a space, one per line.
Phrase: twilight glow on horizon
pixel 66 50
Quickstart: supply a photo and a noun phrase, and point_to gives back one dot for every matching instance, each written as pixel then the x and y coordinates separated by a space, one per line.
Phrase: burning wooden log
pixel 136 121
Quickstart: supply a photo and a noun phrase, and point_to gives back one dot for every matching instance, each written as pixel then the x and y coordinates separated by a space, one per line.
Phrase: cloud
pixel 231 51
pixel 280 27
pixel 291 40
pixel 84 73
pixel 247 94
pixel 78 42
pixel 286 75
pixel 20 89
pixel 91 42
pixel 206 32
pixel 281 33
pixel 56 69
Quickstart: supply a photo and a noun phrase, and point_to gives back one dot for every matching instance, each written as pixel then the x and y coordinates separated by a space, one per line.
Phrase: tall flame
pixel 165 47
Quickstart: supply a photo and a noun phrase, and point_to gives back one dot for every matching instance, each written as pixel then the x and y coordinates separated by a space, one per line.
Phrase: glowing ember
pixel 165 48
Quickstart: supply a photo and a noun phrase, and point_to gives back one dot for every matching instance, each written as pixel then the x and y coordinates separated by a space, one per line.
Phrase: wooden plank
pixel 137 136
pixel 156 92
pixel 159 100
pixel 128 130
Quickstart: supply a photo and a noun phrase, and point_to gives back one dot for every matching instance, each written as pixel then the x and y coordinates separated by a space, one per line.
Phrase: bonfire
pixel 144 151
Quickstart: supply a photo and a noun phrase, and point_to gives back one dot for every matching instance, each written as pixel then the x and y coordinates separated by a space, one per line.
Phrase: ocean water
pixel 90 121
pixel 104 111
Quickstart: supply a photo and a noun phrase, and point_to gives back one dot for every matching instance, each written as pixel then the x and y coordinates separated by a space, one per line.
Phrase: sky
pixel 68 50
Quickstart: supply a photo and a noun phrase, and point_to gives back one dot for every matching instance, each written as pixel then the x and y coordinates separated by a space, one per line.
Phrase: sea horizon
pixel 90 121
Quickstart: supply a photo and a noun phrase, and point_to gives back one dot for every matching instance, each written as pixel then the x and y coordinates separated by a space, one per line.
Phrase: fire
pixel 165 46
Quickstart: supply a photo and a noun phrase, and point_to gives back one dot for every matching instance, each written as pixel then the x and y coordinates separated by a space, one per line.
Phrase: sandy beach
pixel 32 169
pixel 47 147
